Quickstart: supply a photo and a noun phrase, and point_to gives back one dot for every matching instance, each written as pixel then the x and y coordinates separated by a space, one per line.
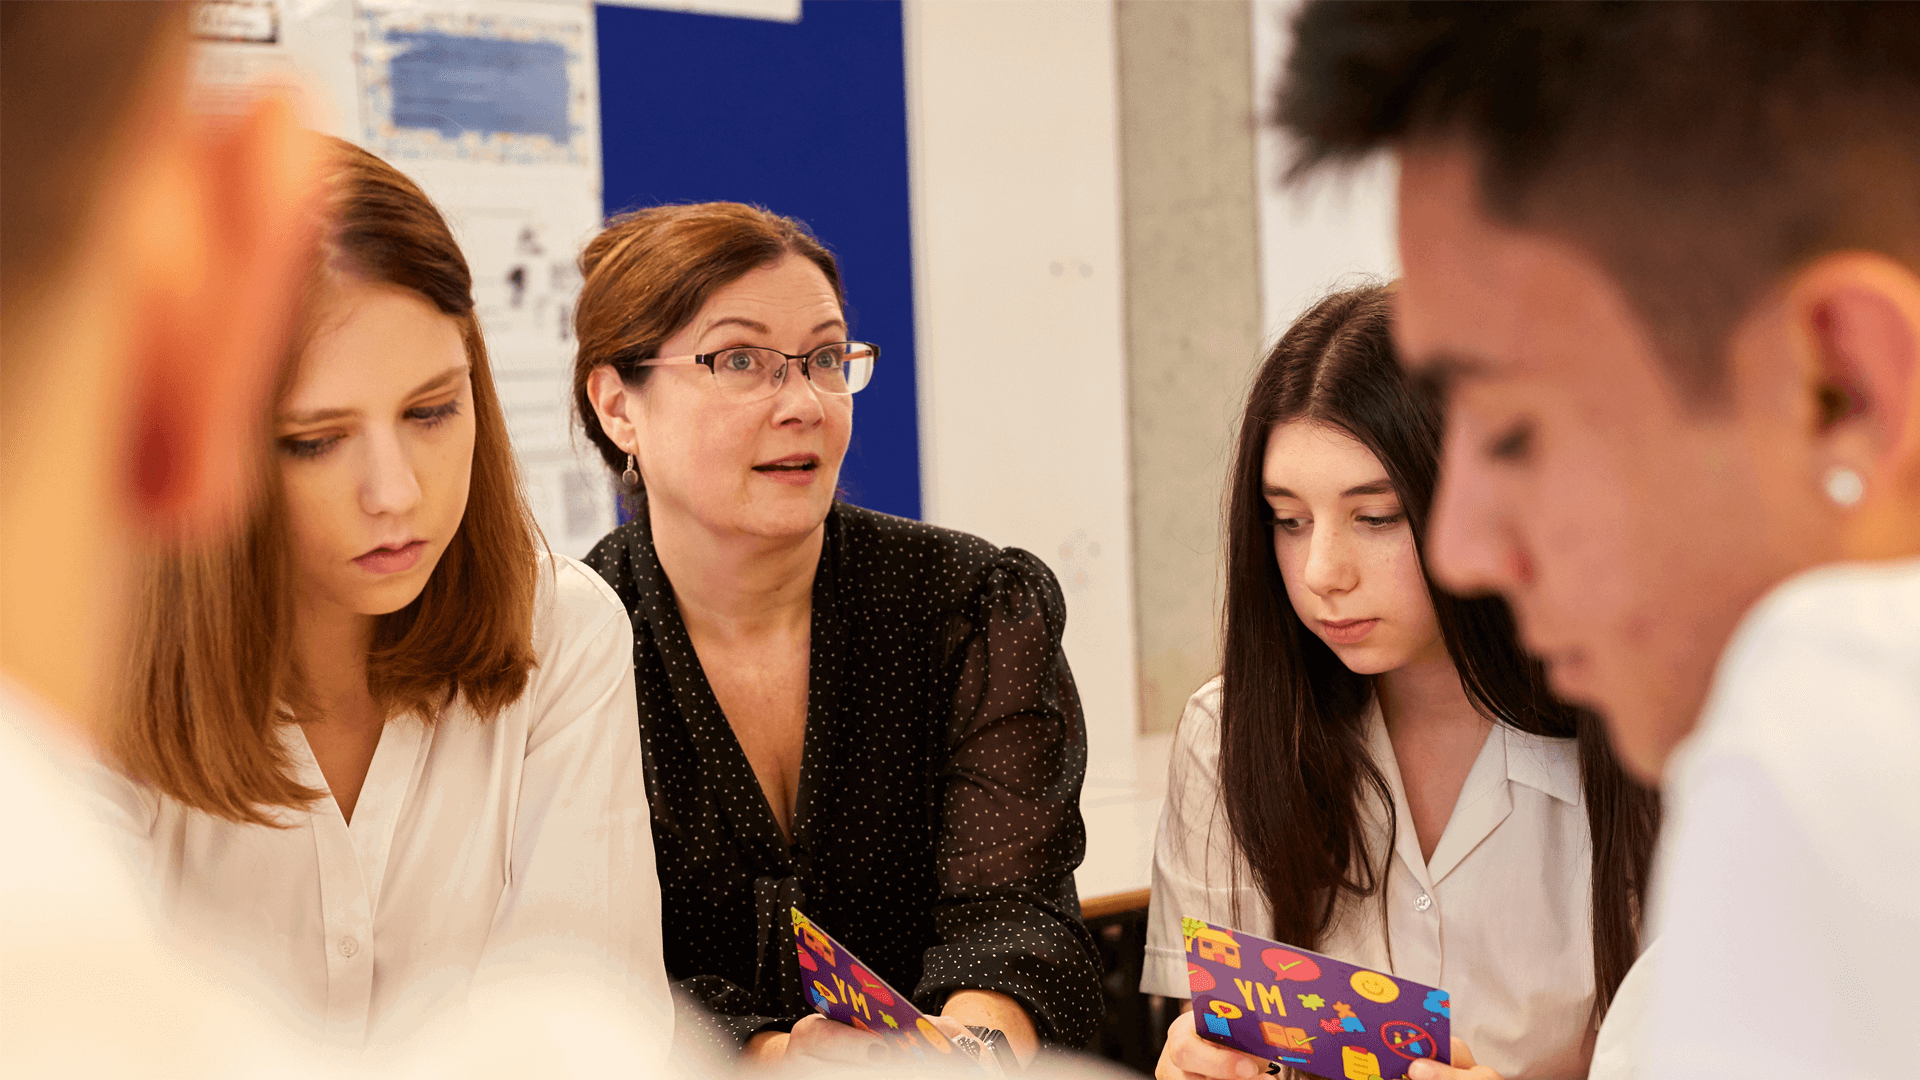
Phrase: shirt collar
pixel 1551 766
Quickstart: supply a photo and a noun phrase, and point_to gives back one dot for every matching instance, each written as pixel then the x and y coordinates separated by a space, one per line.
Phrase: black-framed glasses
pixel 750 373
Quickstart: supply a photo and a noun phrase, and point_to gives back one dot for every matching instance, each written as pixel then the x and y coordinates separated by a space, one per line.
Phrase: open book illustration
pixel 1311 1012
pixel 841 988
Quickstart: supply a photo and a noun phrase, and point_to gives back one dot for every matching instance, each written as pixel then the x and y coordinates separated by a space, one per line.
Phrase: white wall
pixel 1333 231
pixel 1013 131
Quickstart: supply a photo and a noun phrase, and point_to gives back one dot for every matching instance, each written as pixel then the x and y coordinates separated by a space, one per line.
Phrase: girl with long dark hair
pixel 1380 774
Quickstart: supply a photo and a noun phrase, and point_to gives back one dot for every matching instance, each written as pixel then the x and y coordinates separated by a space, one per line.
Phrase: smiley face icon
pixel 1374 986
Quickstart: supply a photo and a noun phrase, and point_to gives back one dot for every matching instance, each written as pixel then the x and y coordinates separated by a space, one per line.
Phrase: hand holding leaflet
pixel 1310 1012
pixel 841 988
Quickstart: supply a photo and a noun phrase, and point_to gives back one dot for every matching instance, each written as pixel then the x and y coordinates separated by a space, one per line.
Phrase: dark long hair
pixel 1293 743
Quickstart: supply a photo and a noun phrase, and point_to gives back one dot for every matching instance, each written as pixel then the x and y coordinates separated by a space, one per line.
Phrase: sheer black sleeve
pixel 1010 836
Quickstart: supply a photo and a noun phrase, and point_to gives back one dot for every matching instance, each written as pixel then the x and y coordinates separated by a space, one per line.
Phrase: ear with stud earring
pixel 1844 486
pixel 631 477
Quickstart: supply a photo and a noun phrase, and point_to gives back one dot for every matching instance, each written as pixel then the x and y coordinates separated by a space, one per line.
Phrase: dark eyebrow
pixel 1374 487
pixel 735 320
pixel 1377 487
pixel 316 416
pixel 439 380
pixel 762 328
pixel 321 415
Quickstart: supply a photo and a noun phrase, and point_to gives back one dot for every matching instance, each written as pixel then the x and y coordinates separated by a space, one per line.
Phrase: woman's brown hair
pixel 211 673
pixel 649 272
pixel 1294 761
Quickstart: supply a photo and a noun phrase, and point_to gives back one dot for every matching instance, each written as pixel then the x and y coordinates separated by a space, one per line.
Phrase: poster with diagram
pixel 478 82
pixel 493 107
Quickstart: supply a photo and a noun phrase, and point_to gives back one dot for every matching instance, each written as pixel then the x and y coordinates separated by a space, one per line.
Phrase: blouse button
pixel 1420 903
pixel 348 946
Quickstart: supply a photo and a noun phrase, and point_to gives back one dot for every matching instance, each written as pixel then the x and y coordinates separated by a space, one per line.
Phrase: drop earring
pixel 1844 486
pixel 631 477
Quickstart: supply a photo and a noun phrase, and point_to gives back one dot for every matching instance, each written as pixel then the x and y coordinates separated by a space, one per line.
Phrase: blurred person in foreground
pixel 149 267
pixel 1663 264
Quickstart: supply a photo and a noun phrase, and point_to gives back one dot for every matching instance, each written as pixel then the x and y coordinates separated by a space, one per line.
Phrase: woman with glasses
pixel 861 716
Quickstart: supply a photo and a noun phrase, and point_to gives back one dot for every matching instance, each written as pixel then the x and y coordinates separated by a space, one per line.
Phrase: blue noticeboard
pixel 809 120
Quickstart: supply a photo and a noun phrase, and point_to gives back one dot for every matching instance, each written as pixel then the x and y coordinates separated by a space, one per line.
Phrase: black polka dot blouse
pixel 937 824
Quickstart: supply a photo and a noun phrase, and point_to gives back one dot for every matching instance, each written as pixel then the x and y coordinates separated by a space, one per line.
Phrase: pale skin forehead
pixel 381 342
pixel 1310 462
pixel 770 300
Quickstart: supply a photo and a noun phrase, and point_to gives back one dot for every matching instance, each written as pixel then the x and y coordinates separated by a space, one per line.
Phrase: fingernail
pixel 878 1053
pixel 1419 1070
pixel 1246 1069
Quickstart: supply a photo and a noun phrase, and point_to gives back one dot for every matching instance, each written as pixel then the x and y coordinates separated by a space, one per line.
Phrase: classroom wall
pixel 1191 214
pixel 1332 231
pixel 1013 121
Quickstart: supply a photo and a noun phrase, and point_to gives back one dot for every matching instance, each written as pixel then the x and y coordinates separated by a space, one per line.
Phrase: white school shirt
pixel 88 986
pixel 94 989
pixel 1499 918
pixel 484 858
pixel 1788 893
pixel 1616 1049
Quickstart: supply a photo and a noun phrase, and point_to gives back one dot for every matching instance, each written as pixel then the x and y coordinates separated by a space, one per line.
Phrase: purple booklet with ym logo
pixel 841 988
pixel 1311 1012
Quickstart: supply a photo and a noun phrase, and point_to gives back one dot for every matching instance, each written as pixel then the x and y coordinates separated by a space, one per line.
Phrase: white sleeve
pixel 1197 870
pixel 1785 903
pixel 582 903
pixel 1749 982
pixel 1617 1046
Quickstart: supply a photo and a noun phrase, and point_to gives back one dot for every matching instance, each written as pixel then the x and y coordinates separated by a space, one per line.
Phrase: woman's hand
pixel 1187 1056
pixel 1463 1067
pixel 990 1008
pixel 817 1039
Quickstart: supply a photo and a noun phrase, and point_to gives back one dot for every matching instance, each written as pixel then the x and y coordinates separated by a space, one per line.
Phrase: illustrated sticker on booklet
pixel 841 988
pixel 1311 1012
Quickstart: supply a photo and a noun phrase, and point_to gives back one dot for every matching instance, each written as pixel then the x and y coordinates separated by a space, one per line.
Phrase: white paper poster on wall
pixel 492 107
pixel 478 83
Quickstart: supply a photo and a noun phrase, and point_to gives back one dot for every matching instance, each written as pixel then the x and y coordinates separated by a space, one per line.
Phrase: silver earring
pixel 631 477
pixel 1844 486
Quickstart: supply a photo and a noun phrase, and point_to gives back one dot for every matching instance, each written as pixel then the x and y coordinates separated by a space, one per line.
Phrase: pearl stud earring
pixel 1844 486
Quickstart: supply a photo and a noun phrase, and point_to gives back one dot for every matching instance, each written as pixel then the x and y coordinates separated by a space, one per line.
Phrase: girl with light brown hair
pixel 382 750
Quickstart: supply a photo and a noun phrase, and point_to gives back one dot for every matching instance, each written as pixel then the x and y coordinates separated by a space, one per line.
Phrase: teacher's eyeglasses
pixel 750 373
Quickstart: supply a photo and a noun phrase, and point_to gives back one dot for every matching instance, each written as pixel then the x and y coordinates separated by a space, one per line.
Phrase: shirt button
pixel 348 946
pixel 1420 903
